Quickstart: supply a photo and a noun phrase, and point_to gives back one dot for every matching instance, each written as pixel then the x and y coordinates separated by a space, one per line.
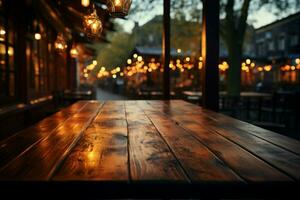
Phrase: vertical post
pixel 210 54
pixel 69 65
pixel 18 8
pixel 166 50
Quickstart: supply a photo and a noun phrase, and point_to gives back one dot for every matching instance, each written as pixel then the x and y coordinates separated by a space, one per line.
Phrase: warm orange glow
pixel 85 3
pixel 60 44
pixel 2 31
pixel 92 25
pixel 74 52
pixel 224 66
pixel 248 61
pixel 118 8
pixel 260 69
pixel 37 36
pixel 268 68
pixel 117 2
pixel 140 59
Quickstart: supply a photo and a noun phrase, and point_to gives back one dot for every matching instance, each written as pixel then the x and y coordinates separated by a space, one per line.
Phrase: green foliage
pixel 115 53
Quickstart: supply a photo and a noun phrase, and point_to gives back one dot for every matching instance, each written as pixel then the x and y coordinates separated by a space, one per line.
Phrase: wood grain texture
pixel 41 160
pixel 19 142
pixel 198 161
pixel 279 158
pixel 150 157
pixel 101 154
pixel 242 162
pixel 274 138
pixel 165 146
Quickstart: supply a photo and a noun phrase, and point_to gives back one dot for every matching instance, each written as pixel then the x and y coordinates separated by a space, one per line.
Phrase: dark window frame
pixel 5 97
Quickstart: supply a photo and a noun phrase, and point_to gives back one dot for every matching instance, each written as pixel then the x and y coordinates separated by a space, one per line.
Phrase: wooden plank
pixel 280 158
pixel 19 142
pixel 150 157
pixel 41 160
pixel 198 161
pixel 242 162
pixel 274 138
pixel 275 155
pixel 101 154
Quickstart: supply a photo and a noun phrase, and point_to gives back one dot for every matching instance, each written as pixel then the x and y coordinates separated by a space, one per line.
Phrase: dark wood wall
pixel 39 74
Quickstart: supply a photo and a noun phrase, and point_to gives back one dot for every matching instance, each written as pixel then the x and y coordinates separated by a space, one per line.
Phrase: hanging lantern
pixel 118 8
pixel 74 51
pixel 92 24
pixel 60 43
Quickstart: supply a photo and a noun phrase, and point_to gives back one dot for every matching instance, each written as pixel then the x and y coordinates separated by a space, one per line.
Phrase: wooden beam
pixel 210 54
pixel 166 50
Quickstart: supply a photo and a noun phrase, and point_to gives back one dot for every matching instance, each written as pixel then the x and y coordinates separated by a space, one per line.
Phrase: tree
pixel 116 52
pixel 233 32
pixel 234 14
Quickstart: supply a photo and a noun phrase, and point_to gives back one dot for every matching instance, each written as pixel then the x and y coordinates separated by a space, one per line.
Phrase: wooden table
pixel 147 149
pixel 222 94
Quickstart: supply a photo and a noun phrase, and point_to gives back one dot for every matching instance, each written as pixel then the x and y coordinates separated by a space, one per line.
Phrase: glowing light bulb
pixel 117 2
pixel 2 32
pixel 37 36
pixel 248 61
pixel 85 3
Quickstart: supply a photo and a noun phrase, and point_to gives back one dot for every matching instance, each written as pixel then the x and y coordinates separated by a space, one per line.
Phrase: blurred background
pixel 48 60
pixel 259 60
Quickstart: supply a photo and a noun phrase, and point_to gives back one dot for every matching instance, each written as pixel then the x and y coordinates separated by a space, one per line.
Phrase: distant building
pixel 185 35
pixel 279 41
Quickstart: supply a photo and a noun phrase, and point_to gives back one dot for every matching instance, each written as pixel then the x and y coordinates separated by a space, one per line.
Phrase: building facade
pixel 278 44
pixel 33 73
pixel 280 40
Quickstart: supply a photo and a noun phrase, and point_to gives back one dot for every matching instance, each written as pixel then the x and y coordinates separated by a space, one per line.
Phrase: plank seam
pixel 253 133
pixel 128 143
pixel 58 164
pixel 38 141
pixel 242 148
pixel 188 178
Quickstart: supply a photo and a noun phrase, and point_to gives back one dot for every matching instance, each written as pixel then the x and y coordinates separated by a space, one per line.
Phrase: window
pixel 281 43
pixel 271 46
pixel 294 40
pixel 37 61
pixel 7 68
pixel 268 35
pixel 261 49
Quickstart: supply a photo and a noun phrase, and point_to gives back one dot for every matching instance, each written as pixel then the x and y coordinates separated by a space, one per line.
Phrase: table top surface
pixel 243 94
pixel 148 141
